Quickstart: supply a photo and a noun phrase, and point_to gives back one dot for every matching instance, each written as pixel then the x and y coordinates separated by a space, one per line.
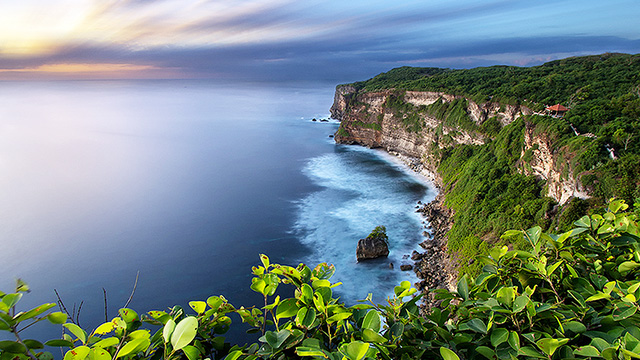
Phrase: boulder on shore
pixel 373 246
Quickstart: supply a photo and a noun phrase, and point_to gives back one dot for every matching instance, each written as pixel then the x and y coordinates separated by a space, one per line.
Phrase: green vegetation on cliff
pixel 596 144
pixel 563 296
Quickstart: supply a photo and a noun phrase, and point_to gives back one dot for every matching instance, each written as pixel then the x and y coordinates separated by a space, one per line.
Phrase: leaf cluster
pixel 567 296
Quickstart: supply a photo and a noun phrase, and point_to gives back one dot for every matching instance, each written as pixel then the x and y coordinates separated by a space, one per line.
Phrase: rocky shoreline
pixel 434 267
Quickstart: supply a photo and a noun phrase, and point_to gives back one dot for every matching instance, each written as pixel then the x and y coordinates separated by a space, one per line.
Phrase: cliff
pixel 500 160
pixel 402 122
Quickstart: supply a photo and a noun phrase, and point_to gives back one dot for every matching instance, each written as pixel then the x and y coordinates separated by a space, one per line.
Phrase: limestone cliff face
pixel 378 120
pixel 539 158
pixel 369 119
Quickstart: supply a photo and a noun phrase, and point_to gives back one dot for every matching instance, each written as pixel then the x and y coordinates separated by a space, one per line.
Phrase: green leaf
pixel 192 352
pixel 57 317
pixel 34 312
pixel 486 352
pixel 404 285
pixel 21 286
pixel 324 271
pixel 184 332
pixel 584 222
pixel 630 353
pixel 372 336
pixel 10 300
pixel 13 347
pixel 531 352
pixel 318 301
pixel 320 283
pixel 356 350
pixel 105 328
pixel 128 315
pixel 78 353
pixel 477 325
pixel 463 288
pixel 338 317
pixel 396 330
pixel 276 339
pixel 506 296
pixel 372 321
pixel 98 353
pixel 105 343
pixel 234 355
pixel 287 308
pixel 609 353
pixel 575 327
pixel 45 356
pixel 306 294
pixel 167 330
pixel 623 310
pixel 598 296
pixel 258 285
pixel 448 354
pixel 198 306
pixel 628 266
pixel 265 260
pixel 214 302
pixel 307 351
pixel 552 268
pixel 133 347
pixel 514 340
pixel 549 346
pixel 77 331
pixel 33 344
pixel 59 343
pixel 520 303
pixel 306 317
pixel 498 336
pixel 587 351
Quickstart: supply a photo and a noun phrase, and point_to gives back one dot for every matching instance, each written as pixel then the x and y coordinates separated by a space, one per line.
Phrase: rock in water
pixel 373 246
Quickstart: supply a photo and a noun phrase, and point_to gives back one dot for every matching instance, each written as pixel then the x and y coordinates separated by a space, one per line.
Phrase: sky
pixel 299 40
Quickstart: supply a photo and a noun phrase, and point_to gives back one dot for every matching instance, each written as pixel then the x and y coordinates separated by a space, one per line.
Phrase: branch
pixel 135 284
pixel 106 317
pixel 62 307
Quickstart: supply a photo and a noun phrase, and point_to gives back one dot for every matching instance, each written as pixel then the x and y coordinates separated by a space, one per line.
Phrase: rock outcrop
pixel 373 246
pixel 540 159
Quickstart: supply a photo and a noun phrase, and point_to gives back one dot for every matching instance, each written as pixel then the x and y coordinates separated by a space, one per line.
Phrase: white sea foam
pixel 361 189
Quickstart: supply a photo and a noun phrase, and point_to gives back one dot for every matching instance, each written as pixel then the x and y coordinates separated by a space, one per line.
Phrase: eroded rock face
pixel 543 163
pixel 367 120
pixel 372 247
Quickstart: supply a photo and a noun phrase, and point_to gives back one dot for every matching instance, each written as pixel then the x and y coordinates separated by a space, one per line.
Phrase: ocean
pixel 183 184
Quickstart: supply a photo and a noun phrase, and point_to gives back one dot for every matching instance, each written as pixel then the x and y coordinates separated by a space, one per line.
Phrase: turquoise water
pixel 186 183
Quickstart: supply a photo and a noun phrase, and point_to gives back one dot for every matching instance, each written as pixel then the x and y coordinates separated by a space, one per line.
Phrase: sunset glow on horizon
pixel 289 40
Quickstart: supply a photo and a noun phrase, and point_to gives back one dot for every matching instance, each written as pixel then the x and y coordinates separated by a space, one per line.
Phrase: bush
pixel 567 296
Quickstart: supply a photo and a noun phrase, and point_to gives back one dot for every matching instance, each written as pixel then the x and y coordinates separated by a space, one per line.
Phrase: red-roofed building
pixel 557 110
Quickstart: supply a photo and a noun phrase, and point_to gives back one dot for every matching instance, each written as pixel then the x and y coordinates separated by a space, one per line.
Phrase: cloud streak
pixel 260 40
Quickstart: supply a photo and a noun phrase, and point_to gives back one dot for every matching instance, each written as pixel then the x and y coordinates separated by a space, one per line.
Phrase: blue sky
pixel 284 40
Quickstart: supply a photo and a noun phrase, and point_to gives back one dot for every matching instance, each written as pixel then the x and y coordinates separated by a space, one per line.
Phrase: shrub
pixel 567 296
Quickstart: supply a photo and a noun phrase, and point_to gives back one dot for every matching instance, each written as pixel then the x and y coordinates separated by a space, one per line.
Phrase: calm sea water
pixel 186 183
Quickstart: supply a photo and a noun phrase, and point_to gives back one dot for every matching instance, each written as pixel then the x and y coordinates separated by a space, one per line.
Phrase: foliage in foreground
pixel 569 296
